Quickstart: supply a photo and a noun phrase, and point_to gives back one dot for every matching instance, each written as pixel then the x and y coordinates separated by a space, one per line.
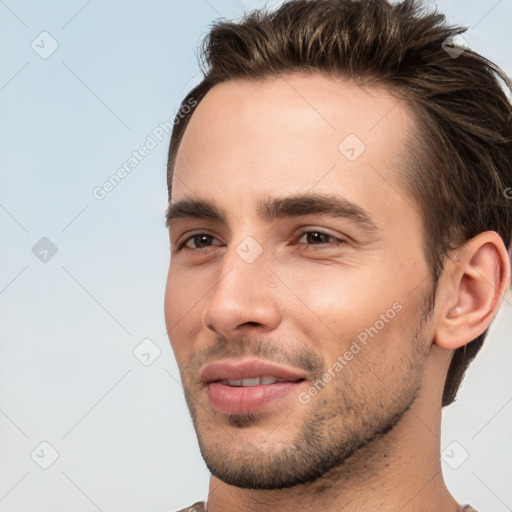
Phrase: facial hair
pixel 359 408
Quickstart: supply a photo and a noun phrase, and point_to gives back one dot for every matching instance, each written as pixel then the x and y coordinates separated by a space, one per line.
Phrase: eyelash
pixel 337 241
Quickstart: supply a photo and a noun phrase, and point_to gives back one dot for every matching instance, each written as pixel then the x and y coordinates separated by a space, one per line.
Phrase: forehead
pixel 294 134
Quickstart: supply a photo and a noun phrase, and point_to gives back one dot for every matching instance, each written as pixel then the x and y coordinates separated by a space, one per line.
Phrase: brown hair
pixel 462 159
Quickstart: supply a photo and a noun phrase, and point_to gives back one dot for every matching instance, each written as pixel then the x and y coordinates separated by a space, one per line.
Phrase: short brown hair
pixel 462 159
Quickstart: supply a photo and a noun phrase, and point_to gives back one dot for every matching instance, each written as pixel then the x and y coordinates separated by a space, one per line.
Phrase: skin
pixel 369 439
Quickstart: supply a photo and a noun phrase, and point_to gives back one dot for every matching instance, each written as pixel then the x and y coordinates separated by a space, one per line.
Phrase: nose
pixel 242 299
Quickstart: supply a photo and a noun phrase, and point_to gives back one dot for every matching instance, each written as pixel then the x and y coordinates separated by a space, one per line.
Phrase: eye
pixel 315 237
pixel 197 241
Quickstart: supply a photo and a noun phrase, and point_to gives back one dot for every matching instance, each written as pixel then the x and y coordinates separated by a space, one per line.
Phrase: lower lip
pixel 246 399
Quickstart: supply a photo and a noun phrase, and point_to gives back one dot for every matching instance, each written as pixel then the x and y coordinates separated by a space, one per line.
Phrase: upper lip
pixel 247 369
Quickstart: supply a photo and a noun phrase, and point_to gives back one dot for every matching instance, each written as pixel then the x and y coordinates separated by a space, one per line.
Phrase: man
pixel 339 230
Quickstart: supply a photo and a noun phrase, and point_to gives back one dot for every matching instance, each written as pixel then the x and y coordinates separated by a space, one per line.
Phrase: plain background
pixel 70 324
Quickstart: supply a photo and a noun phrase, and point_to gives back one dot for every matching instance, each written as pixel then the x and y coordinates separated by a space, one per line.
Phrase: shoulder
pixel 196 507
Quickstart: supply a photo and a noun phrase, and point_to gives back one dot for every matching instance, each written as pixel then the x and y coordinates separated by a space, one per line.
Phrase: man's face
pixel 298 324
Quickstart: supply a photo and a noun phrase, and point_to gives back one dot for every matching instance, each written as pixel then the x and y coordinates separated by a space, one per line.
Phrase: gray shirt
pixel 200 507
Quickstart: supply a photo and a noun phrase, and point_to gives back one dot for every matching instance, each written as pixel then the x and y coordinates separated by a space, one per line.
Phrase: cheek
pixel 181 306
pixel 183 296
pixel 336 307
pixel 339 300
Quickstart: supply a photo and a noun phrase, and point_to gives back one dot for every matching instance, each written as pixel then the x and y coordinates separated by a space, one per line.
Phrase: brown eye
pixel 316 237
pixel 198 241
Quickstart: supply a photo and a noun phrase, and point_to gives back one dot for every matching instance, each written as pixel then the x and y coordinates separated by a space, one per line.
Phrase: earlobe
pixel 472 286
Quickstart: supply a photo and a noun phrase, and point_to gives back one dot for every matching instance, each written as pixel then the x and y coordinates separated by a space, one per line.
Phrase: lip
pixel 247 399
pixel 247 369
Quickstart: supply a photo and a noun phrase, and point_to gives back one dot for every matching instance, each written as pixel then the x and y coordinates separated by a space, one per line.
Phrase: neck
pixel 399 470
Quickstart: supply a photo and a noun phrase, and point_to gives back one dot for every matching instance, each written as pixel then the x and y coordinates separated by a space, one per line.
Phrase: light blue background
pixel 68 374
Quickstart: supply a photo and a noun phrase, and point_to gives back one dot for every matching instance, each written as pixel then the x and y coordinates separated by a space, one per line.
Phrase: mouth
pixel 254 381
pixel 241 387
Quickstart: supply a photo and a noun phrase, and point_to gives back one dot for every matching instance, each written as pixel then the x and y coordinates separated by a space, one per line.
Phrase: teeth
pixel 267 379
pixel 254 381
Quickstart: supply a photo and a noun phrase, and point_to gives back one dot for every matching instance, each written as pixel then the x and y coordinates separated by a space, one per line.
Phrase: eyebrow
pixel 278 208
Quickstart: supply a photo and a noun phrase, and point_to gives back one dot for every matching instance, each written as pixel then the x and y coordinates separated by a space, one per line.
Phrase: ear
pixel 470 290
